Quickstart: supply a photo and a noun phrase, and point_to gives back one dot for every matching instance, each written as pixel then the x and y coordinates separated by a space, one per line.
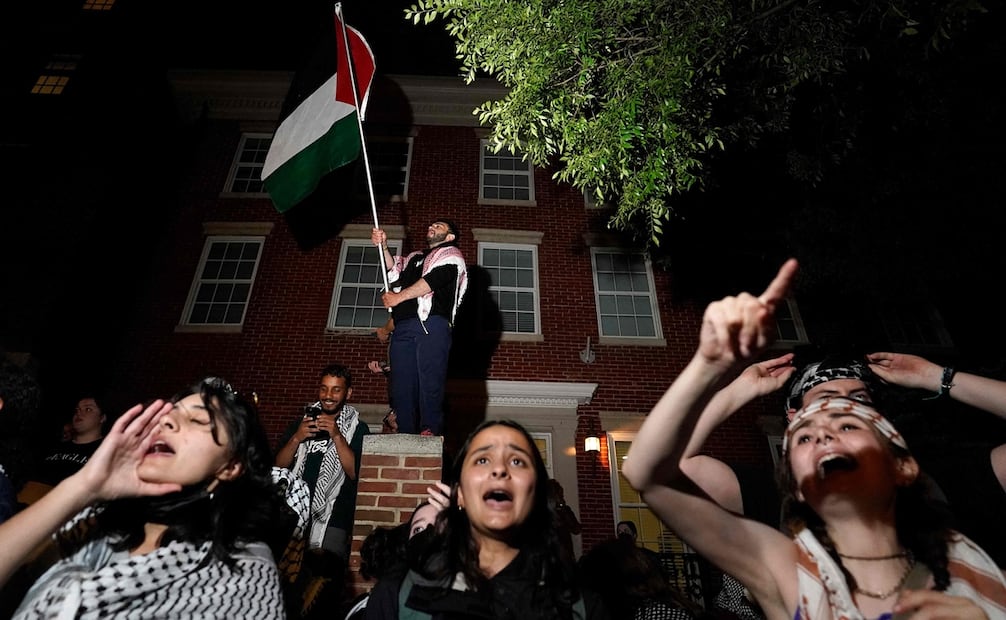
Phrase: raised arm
pixel 109 474
pixel 912 371
pixel 714 477
pixel 734 331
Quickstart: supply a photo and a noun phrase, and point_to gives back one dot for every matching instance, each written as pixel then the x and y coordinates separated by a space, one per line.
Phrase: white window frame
pixel 797 321
pixel 248 171
pixel 198 281
pixel 546 454
pixel 533 289
pixel 487 151
pixel 377 310
pixel 651 297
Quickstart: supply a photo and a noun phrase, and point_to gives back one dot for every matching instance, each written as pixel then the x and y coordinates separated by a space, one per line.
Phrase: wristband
pixel 946 382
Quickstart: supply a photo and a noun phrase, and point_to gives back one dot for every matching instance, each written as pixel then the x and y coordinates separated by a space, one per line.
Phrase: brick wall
pixel 394 474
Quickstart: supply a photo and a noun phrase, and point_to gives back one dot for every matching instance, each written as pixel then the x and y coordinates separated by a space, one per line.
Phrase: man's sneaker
pixel 426 433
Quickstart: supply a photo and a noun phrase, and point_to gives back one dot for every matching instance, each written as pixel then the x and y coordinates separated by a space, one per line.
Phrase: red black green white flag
pixel 323 131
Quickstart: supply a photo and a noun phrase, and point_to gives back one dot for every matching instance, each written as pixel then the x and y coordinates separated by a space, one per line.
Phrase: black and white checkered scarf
pixel 330 478
pixel 179 580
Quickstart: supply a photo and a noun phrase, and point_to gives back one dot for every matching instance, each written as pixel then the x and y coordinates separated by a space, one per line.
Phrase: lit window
pixel 505 177
pixel 680 562
pixel 98 5
pixel 513 284
pixel 222 286
pixel 246 170
pixel 624 294
pixel 50 85
pixel 356 301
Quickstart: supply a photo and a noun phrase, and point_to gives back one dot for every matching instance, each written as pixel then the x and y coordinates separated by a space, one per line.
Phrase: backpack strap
pixel 404 612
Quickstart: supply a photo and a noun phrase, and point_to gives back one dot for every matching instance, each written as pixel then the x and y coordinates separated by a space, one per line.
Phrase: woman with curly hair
pixel 864 541
pixel 495 552
pixel 175 515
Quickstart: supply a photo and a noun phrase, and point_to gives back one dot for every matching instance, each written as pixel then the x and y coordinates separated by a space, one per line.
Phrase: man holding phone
pixel 323 446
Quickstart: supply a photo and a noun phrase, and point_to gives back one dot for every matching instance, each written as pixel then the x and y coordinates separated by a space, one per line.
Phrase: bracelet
pixel 946 382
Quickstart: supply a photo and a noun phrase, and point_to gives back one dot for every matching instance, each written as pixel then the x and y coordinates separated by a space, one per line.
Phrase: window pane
pixel 511 272
pixel 358 290
pixel 223 287
pixel 505 176
pixel 630 312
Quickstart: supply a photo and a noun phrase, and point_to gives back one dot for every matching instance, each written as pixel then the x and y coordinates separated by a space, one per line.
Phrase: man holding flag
pixel 426 289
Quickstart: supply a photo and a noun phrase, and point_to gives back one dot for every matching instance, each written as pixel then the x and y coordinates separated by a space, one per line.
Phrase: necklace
pixel 889 593
pixel 874 558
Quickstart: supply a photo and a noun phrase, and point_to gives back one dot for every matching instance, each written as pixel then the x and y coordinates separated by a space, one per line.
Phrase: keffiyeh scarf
pixel 817 373
pixel 180 580
pixel 438 257
pixel 840 404
pixel 824 595
pixel 330 478
pixel 298 497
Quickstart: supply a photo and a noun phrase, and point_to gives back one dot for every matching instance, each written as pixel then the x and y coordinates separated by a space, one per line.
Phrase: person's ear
pixel 349 392
pixel 789 415
pixel 230 471
pixel 908 470
pixel 1 402
pixel 452 237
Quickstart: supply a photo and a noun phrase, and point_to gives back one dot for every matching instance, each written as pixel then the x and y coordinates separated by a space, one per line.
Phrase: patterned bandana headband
pixel 814 375
pixel 840 404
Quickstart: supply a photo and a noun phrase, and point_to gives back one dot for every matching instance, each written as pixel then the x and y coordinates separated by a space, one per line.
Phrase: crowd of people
pixel 182 508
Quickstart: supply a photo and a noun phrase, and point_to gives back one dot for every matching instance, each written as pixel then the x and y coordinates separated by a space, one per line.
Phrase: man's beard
pixel 437 239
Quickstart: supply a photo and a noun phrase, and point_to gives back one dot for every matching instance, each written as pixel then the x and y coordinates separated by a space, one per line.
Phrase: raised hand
pixel 909 371
pixel 439 495
pixel 111 472
pixel 767 376
pixel 738 328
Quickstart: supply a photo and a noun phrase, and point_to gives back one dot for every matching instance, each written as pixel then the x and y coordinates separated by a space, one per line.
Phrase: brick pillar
pixel 394 473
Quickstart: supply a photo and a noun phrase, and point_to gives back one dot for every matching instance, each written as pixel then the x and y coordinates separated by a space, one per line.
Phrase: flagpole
pixel 363 141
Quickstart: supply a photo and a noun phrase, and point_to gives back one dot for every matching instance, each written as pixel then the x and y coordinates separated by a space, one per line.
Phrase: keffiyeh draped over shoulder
pixel 824 594
pixel 180 580
pixel 330 478
pixel 438 257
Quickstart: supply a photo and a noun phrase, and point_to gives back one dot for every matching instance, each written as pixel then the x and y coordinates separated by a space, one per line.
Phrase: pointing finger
pixel 778 288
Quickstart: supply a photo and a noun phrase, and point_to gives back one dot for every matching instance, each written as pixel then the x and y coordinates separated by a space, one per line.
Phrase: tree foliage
pixel 633 100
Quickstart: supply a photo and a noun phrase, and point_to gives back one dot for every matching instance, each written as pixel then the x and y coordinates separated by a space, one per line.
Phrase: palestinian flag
pixel 323 132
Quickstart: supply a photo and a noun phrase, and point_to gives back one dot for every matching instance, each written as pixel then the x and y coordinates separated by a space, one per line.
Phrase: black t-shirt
pixel 64 460
pixel 443 280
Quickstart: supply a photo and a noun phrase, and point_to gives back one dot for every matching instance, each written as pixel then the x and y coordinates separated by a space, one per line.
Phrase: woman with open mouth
pixel 495 552
pixel 865 541
pixel 172 516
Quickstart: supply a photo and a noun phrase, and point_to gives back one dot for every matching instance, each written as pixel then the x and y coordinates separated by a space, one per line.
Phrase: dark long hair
pixel 452 548
pixel 248 508
pixel 923 524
